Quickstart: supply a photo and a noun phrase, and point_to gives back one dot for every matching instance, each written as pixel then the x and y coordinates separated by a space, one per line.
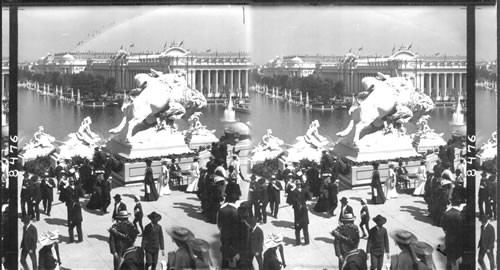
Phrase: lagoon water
pixel 287 121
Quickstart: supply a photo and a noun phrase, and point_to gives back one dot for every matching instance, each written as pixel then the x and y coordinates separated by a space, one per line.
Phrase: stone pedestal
pixel 429 142
pixel 153 144
pixel 204 140
pixel 376 146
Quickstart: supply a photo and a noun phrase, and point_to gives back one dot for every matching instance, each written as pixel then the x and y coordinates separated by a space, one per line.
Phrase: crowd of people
pixel 242 240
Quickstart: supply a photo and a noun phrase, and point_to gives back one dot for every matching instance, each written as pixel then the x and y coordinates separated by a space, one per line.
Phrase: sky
pixel 265 32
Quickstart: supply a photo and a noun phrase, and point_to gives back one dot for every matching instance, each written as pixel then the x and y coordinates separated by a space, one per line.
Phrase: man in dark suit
pixel 452 224
pixel 58 172
pixel 71 195
pixel 28 243
pixel 483 195
pixel 486 243
pixel 263 199
pixel 36 197
pixel 85 172
pixel 378 242
pixel 273 190
pixel 256 241
pixel 227 222
pixel 119 206
pixel 47 188
pixel 152 241
pixel 344 209
pixel 75 220
pixel 333 191
pixel 286 174
pixel 26 194
pixel 122 235
pixel 301 216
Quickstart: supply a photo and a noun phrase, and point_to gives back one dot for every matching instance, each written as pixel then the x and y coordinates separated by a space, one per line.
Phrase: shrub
pixel 38 166
pixel 267 168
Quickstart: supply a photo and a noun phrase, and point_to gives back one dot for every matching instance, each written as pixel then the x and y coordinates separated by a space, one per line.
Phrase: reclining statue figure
pixel 159 96
pixel 386 100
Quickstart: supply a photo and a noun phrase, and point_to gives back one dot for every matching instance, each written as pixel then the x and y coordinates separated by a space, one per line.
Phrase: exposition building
pixel 213 73
pixel 441 77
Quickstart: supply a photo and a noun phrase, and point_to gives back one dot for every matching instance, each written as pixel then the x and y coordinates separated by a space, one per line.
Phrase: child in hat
pixel 138 214
pixel 152 241
pixel 365 218
pixel 378 243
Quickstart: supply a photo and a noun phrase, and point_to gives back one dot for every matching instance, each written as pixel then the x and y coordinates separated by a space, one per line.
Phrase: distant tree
pixel 110 86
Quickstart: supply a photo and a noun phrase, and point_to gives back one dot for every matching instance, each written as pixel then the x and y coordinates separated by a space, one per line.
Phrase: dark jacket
pixel 452 223
pixel 27 189
pixel 378 241
pixel 273 191
pixel 256 241
pixel 75 213
pixel 47 188
pixel 152 238
pixel 228 222
pixel 30 238
pixel 37 192
pixel 120 206
pixel 348 209
pixel 138 211
pixel 133 259
pixel 301 214
pixel 120 237
pixel 356 260
pixel 487 237
pixel 366 215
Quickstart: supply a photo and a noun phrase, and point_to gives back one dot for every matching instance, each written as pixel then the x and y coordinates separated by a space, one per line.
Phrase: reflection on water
pixel 286 120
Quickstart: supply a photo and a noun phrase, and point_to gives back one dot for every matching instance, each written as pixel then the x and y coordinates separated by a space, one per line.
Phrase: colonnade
pixel 213 81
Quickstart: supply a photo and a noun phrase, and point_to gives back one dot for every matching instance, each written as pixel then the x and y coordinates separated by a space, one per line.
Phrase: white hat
pixel 273 240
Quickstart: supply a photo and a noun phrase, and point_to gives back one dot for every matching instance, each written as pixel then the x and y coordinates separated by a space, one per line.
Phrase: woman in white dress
pixel 390 184
pixel 421 179
pixel 163 181
pixel 195 176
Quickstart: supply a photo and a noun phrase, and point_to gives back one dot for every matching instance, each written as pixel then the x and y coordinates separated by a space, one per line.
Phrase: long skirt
pixel 95 200
pixel 151 194
pixel 193 186
pixel 163 187
pixel 322 204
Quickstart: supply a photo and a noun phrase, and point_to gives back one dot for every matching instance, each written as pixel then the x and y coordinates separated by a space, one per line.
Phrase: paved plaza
pixel 180 208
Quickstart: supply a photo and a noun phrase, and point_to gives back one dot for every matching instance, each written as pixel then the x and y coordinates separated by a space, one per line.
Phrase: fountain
pixel 229 113
pixel 459 128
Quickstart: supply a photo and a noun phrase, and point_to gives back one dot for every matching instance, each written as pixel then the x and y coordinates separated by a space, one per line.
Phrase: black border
pixel 470 220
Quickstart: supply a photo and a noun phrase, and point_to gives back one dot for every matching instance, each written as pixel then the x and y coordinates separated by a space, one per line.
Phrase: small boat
pixel 243 108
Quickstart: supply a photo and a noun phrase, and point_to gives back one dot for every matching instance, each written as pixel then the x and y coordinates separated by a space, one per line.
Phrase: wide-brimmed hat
pixel 199 244
pixel 219 178
pixel 347 217
pixel 273 240
pixel 422 248
pixel 344 199
pixel 299 173
pixel 163 161
pixel 403 236
pixel 49 238
pixel 180 233
pixel 123 214
pixel 117 197
pixel 154 216
pixel 445 182
pixel 347 235
pixel 72 170
pixel 273 176
pixel 379 219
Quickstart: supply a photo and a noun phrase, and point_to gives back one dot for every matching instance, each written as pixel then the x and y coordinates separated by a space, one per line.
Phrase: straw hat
pixel 445 182
pixel 273 240
pixel 379 219
pixel 422 248
pixel 219 178
pixel 403 236
pixel 155 217
pixel 49 237
pixel 199 245
pixel 326 174
pixel 123 214
pixel 348 217
pixel 180 233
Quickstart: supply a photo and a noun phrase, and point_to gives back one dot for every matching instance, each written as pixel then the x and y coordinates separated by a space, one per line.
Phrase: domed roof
pixel 68 58
pixel 404 55
pixel 297 60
